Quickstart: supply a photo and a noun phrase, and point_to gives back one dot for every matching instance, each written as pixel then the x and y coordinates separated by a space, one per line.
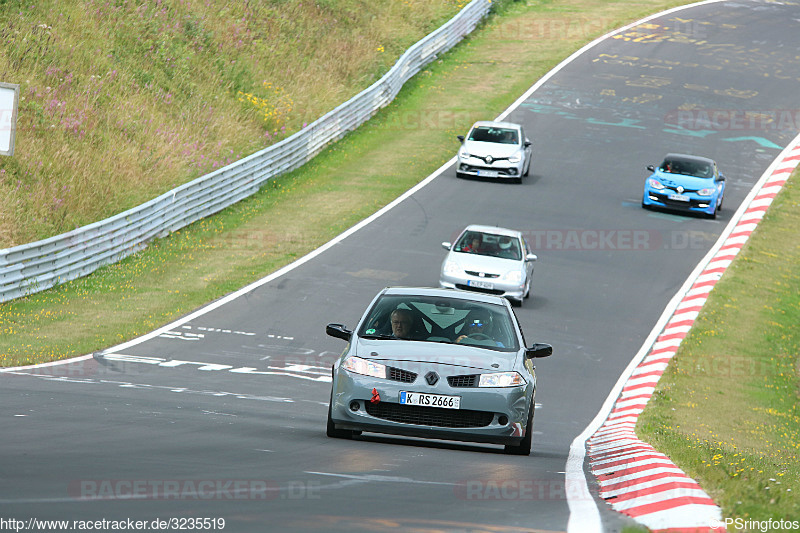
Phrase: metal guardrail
pixel 37 266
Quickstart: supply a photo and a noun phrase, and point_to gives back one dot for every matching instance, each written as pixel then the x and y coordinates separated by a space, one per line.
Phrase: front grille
pixel 485 275
pixel 398 374
pixel 429 416
pixel 664 199
pixel 478 289
pixel 463 381
pixel 501 171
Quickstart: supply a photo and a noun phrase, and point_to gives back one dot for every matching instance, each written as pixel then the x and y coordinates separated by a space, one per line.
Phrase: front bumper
pixel 490 415
pixel 512 291
pixel 695 204
pixel 499 169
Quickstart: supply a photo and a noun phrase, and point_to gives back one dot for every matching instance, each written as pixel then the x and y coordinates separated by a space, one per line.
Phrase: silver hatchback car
pixel 491 260
pixel 494 150
pixel 436 363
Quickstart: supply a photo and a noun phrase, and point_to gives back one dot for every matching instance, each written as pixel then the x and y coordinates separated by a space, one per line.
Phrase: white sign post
pixel 9 100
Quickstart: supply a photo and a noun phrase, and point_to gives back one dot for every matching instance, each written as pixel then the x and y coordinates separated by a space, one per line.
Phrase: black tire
pixel 524 446
pixel 334 433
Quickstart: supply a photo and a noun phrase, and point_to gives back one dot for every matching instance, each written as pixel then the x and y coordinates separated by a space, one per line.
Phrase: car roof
pixel 445 293
pixel 493 124
pixel 686 157
pixel 493 229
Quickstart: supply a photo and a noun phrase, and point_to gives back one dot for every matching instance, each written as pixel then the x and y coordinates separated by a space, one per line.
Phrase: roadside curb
pixel 634 478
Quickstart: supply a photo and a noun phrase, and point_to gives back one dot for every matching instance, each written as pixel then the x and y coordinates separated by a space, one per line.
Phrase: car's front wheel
pixel 524 446
pixel 337 433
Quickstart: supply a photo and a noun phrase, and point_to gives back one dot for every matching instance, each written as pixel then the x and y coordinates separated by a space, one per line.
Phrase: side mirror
pixel 721 177
pixel 460 138
pixel 447 245
pixel 651 168
pixel 338 331
pixel 539 350
pixel 527 143
pixel 531 257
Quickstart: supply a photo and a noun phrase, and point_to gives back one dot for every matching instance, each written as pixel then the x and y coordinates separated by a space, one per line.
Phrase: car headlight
pixel 501 379
pixel 515 276
pixel 708 191
pixel 516 158
pixel 464 154
pixel 357 365
pixel 451 268
pixel 655 184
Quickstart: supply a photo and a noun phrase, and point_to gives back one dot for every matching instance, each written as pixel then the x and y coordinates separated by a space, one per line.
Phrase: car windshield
pixel 444 320
pixel 698 169
pixel 494 135
pixel 503 246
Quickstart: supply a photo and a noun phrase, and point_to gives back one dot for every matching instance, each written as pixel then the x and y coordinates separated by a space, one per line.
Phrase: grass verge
pixel 726 410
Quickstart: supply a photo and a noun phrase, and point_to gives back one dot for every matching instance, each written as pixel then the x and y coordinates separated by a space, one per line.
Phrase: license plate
pixel 480 284
pixel 488 173
pixel 679 197
pixel 430 400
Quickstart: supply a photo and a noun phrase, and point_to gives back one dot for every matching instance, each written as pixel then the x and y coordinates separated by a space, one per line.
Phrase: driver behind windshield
pixel 402 320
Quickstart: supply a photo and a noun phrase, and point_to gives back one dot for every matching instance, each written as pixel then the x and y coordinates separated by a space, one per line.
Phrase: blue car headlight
pixel 361 366
pixel 501 379
pixel 654 183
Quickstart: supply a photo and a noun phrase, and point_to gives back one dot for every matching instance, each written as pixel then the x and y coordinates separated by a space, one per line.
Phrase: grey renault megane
pixel 436 363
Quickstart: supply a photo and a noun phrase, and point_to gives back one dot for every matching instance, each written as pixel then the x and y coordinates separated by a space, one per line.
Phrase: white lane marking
pixel 229 331
pixel 181 335
pixel 307 372
pixel 147 386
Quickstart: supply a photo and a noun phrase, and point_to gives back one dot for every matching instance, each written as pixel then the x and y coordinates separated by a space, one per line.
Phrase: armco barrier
pixel 37 266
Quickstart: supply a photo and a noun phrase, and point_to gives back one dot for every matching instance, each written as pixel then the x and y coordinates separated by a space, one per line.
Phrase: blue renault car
pixel 686 183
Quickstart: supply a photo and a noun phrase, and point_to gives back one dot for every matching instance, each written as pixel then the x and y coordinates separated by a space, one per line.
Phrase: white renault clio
pixel 491 260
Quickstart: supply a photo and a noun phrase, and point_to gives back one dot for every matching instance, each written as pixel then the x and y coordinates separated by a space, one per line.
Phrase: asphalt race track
pixel 223 416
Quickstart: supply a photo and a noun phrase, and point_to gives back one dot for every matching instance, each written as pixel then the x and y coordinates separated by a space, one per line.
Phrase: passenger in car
pixel 478 327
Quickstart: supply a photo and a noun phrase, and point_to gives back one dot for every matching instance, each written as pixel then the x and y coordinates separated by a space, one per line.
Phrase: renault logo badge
pixel 431 378
pixel 680 189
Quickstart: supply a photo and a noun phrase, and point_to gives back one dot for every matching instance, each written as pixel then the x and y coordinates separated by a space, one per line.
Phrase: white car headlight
pixel 501 379
pixel 364 367
pixel 516 158
pixel 515 276
pixel 463 154
pixel 451 268
pixel 708 191
pixel 655 184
